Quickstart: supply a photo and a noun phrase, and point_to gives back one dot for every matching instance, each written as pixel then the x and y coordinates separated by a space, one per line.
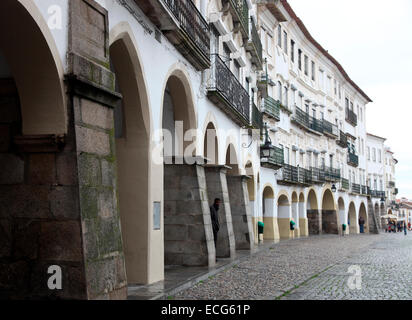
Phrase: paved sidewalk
pixel 274 273
pixel 179 278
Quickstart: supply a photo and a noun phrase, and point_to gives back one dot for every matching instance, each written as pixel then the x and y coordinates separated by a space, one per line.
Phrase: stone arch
pixel 29 50
pixel 342 213
pixel 232 160
pixel 352 219
pixel 271 230
pixel 330 220
pixel 211 144
pixel 178 115
pixel 313 214
pixel 303 220
pixel 284 215
pixel 364 214
pixel 132 131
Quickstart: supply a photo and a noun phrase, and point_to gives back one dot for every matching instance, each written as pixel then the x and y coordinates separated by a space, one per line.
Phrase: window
pixel 226 57
pixel 280 36
pixel 380 156
pixel 279 91
pixel 287 161
pixel 292 50
pixel 335 87
pixel 313 70
pixel 269 40
pixel 300 59
pixel 285 97
pixel 237 69
pixel 374 154
pixel 285 42
pixel 369 153
pixel 306 65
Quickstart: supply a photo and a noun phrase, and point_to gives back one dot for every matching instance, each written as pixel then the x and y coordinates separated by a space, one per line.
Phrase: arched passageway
pixel 284 217
pixel 271 229
pixel 188 234
pixel 314 217
pixel 330 220
pixel 239 188
pixel 295 214
pixel 352 221
pixel 342 215
pixel 217 188
pixel 132 132
pixel 303 220
pixel 37 176
pixel 364 215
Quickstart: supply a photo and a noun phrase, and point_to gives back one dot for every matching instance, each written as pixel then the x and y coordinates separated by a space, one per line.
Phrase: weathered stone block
pixel 42 169
pixel 89 170
pixel 89 202
pixel 12 169
pixel 175 232
pixel 61 241
pixel 92 141
pixel 110 239
pixel 64 203
pixel 90 240
pixel 97 115
pixel 106 203
pixel 5 238
pixel 66 165
pixel 26 239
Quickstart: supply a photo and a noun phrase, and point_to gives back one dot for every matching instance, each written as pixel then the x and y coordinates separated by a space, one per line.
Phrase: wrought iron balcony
pixel 343 140
pixel 257 118
pixel 345 184
pixel 364 190
pixel 332 174
pixel 254 46
pixel 356 188
pixel 227 92
pixel 294 176
pixel 274 159
pixel 351 117
pixel 377 194
pixel 303 119
pixel 240 13
pixel 318 175
pixel 396 191
pixel 391 184
pixel 353 159
pixel 183 24
pixel 330 129
pixel 272 108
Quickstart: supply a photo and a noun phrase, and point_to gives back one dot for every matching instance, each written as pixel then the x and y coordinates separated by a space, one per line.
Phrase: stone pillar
pixel 240 208
pixel 314 222
pixel 330 222
pixel 217 188
pixel 188 233
pixel 372 218
pixel 295 217
pixel 303 221
pixel 93 98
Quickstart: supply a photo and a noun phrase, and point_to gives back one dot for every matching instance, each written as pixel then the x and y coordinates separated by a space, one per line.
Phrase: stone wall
pixel 188 231
pixel 314 222
pixel 330 222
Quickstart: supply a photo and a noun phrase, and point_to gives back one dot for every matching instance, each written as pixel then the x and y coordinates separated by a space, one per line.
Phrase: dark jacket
pixel 215 219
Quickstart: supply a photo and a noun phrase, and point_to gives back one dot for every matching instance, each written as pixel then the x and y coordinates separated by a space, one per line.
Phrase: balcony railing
pixel 257 118
pixel 391 184
pixel 377 194
pixel 356 188
pixel 332 174
pixel 228 93
pixel 330 129
pixel 365 190
pixel 240 14
pixel 396 191
pixel 272 108
pixel 295 175
pixel 345 184
pixel 351 117
pixel 275 159
pixel 184 26
pixel 254 46
pixel 318 175
pixel 343 140
pixel 304 119
pixel 353 159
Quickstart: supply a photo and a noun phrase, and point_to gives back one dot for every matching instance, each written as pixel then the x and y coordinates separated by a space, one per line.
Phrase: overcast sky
pixel 372 40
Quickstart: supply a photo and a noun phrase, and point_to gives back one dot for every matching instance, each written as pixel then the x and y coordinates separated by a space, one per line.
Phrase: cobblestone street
pixel 316 268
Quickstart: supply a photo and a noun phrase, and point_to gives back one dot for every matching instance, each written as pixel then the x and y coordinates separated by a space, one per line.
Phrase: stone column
pixel 217 188
pixel 303 221
pixel 240 208
pixel 330 222
pixel 93 97
pixel 188 233
pixel 314 222
pixel 372 218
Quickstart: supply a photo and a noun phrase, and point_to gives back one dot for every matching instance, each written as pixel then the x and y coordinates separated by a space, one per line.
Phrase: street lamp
pixel 333 188
pixel 267 149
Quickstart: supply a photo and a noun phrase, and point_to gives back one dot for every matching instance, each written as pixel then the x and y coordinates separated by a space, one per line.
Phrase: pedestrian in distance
pixel 405 229
pixel 362 225
pixel 214 213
